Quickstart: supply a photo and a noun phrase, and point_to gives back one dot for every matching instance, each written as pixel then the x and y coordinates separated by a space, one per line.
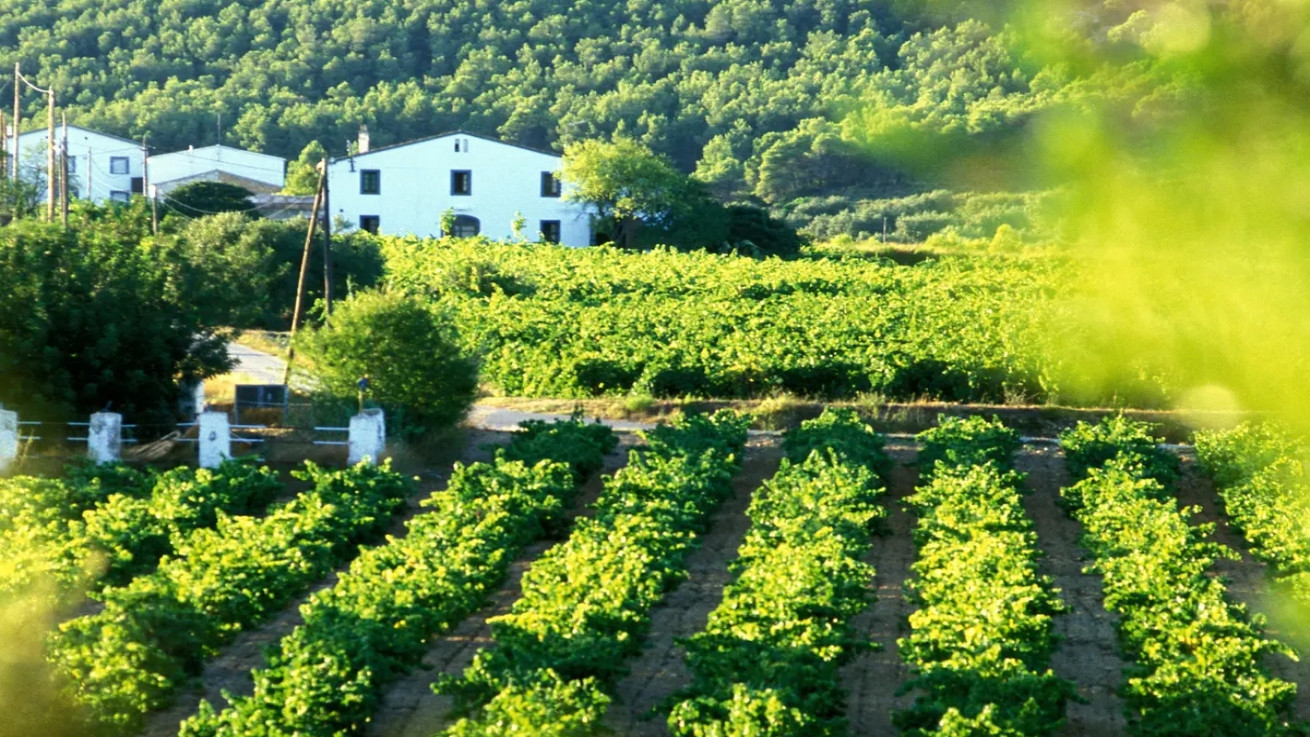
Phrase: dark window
pixel 370 223
pixel 461 182
pixel 138 185
pixel 549 184
pixel 118 165
pixel 119 195
pixel 370 181
pixel 550 231
pixel 466 226
pixel 72 164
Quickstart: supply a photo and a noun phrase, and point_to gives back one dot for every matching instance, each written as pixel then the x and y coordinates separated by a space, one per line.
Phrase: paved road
pixel 498 418
pixel 264 367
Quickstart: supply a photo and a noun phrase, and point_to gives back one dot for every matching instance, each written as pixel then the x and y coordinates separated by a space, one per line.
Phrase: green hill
pixel 782 101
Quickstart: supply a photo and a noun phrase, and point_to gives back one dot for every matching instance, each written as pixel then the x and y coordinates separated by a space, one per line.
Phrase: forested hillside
pixel 747 93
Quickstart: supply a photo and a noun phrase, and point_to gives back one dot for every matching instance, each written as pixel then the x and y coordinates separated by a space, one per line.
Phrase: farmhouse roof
pixel 457 132
pixel 59 132
pixel 199 153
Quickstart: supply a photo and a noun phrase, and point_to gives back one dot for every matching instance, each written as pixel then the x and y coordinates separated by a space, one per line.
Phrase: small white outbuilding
pixel 487 184
pixel 259 173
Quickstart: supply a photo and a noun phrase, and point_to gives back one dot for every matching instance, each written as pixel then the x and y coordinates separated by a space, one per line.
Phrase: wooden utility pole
pixel 63 172
pixel 304 272
pixel 50 156
pixel 327 240
pixel 4 135
pixel 145 185
pixel 18 114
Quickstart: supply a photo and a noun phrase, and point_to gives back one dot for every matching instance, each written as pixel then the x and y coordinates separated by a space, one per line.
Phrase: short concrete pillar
pixel 368 436
pixel 191 399
pixel 104 441
pixel 215 439
pixel 8 439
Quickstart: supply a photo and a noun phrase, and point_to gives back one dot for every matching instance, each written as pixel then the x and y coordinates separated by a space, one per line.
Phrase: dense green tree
pixel 726 88
pixel 302 174
pixel 88 318
pixel 253 267
pixel 209 198
pixel 408 352
pixel 629 187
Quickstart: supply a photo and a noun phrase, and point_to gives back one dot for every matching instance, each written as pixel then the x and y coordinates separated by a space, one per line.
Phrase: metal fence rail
pixel 332 430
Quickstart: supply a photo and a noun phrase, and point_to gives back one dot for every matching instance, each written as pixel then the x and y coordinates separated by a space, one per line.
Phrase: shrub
pixel 208 198
pixel 410 354
pixel 753 231
pixel 90 315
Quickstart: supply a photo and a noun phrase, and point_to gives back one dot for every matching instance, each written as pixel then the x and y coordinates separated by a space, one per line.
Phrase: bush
pixel 208 198
pixel 252 267
pixel 752 231
pixel 91 315
pixel 409 353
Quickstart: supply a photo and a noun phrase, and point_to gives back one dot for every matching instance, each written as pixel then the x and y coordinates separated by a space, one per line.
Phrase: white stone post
pixel 104 440
pixel 368 436
pixel 215 439
pixel 8 439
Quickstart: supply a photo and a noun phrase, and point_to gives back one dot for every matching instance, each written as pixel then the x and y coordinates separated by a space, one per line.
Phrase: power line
pixel 193 208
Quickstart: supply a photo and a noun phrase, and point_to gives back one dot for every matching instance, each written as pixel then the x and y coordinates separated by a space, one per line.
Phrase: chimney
pixel 363 139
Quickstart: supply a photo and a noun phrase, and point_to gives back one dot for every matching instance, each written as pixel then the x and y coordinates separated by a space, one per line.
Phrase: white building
pixel 259 173
pixel 100 166
pixel 405 188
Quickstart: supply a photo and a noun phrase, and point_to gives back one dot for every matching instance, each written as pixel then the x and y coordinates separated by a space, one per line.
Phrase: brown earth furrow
pixel 660 669
pixel 1088 652
pixel 1245 579
pixel 409 708
pixel 873 677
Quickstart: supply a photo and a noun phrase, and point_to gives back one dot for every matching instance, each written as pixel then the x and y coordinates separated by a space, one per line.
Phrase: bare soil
pixel 780 413
pixel 874 676
pixel 409 708
pixel 1245 579
pixel 230 670
pixel 660 669
pixel 1088 652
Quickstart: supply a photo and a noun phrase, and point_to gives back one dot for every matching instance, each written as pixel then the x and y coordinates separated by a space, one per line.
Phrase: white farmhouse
pixel 405 188
pixel 100 166
pixel 259 173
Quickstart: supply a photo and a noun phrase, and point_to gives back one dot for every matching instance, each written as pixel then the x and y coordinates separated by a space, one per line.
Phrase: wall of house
pixel 415 187
pixel 91 160
pixel 200 162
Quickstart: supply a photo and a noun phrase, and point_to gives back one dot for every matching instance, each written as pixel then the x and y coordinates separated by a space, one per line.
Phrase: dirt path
pixel 873 677
pixel 660 669
pixel 1088 652
pixel 230 669
pixel 408 707
pixel 1246 581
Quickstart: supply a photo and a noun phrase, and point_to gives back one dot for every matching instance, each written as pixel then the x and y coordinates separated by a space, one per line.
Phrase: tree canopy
pixel 779 103
pixel 737 90
pixel 626 183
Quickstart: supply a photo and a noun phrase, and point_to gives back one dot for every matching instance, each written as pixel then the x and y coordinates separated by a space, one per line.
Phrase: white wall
pixel 165 168
pixel 416 188
pixel 90 160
